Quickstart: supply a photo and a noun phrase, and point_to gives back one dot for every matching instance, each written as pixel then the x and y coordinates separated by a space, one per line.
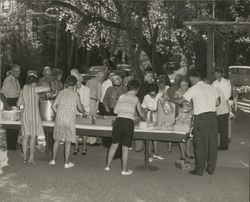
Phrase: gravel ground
pixel 87 181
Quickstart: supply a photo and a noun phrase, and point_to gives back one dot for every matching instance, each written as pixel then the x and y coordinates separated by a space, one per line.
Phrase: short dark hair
pixel 219 70
pixel 183 79
pixel 195 73
pixel 152 88
pixel 162 79
pixel 31 79
pixel 70 81
pixel 207 80
pixel 133 85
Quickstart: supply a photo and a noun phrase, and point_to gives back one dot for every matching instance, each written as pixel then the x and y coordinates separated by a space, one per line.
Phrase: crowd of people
pixel 199 102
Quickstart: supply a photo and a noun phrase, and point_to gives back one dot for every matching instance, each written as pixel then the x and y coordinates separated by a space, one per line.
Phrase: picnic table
pixel 106 131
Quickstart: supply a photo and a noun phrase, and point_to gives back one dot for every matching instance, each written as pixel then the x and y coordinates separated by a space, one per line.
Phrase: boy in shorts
pixel 123 127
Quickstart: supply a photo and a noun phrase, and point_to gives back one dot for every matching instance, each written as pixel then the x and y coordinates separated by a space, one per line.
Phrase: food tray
pixel 104 122
pixel 181 128
pixel 86 121
pixel 11 115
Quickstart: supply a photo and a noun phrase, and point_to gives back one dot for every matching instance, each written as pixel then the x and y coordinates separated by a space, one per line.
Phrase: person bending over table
pixel 149 104
pixel 31 124
pixel 123 127
pixel 205 99
pixel 65 106
pixel 84 97
pixel 95 87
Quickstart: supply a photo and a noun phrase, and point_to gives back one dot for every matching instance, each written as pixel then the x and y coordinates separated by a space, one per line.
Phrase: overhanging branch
pixel 86 18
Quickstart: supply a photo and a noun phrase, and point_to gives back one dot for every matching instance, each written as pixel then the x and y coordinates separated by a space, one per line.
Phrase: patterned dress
pixel 185 112
pixel 31 124
pixel 66 115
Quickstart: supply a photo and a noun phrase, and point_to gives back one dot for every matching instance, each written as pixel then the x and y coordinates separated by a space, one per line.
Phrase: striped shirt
pixel 126 106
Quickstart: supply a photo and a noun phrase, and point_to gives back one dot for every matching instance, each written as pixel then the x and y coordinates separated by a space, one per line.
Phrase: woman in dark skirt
pixel 123 128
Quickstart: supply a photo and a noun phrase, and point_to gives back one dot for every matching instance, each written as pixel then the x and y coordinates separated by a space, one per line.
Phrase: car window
pixel 243 71
pixel 234 71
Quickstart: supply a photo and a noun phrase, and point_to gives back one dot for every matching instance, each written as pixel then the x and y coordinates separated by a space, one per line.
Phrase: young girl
pixel 65 106
pixel 149 104
pixel 31 124
pixel 123 127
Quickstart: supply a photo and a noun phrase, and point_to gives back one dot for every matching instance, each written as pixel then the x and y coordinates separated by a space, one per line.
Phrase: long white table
pixel 106 131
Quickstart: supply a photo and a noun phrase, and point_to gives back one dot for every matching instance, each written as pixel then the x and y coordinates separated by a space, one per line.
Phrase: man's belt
pixel 204 113
pixel 94 99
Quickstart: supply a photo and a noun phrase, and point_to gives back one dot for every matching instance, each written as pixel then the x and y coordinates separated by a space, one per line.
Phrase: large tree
pixel 145 25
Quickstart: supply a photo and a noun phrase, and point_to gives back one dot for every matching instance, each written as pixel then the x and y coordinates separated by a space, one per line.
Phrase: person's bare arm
pixel 42 89
pixel 55 105
pixel 20 100
pixel 218 101
pixel 178 100
pixel 140 111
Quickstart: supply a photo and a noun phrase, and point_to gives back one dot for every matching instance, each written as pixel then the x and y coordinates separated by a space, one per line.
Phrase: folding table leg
pixel 146 166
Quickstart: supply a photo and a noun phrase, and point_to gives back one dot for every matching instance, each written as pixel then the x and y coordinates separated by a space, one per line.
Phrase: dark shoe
pixel 209 172
pixel 192 172
pixel 76 151
pixel 222 148
pixel 95 144
pixel 84 152
pixel 189 156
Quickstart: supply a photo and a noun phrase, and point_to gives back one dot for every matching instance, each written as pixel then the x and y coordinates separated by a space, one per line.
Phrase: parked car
pixel 240 79
pixel 240 75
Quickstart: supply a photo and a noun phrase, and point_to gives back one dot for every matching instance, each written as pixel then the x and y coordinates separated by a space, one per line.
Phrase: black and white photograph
pixel 124 100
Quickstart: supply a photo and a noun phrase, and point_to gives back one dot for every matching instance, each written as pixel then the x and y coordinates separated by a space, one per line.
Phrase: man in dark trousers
pixel 11 90
pixel 224 87
pixel 205 99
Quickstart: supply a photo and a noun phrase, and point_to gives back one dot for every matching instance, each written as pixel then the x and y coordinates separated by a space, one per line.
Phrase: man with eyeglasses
pixel 11 90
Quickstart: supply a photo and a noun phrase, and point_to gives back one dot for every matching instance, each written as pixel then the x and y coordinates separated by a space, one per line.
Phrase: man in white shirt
pixel 224 87
pixel 205 99
pixel 11 90
pixel 222 83
pixel 105 85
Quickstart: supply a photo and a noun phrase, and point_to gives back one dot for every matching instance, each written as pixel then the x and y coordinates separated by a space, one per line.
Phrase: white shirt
pixel 223 107
pixel 11 87
pixel 225 86
pixel 1 108
pixel 161 94
pixel 150 103
pixel 105 85
pixel 84 97
pixel 204 97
